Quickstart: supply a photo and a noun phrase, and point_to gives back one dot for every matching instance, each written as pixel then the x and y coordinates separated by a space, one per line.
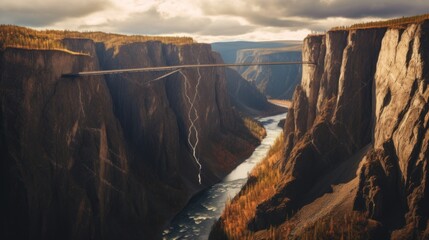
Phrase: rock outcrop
pixel 394 179
pixel 356 137
pixel 108 157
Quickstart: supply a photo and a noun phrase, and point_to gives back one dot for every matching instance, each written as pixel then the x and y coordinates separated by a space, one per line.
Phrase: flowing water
pixel 196 219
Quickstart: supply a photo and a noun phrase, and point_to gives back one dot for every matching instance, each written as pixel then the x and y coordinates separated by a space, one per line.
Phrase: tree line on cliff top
pixel 392 23
pixel 22 37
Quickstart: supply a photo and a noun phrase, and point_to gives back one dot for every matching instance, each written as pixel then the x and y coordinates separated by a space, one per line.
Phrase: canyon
pixel 354 159
pixel 246 98
pixel 108 157
pixel 135 156
pixel 277 82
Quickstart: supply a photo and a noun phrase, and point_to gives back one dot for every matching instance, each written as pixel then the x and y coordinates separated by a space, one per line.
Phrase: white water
pixel 196 219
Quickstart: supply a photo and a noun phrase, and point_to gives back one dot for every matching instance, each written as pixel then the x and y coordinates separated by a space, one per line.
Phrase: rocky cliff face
pixel 393 185
pixel 108 157
pixel 64 158
pixel 273 81
pixel 356 136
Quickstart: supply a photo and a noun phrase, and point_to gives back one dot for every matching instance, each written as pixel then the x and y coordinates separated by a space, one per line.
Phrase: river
pixel 196 219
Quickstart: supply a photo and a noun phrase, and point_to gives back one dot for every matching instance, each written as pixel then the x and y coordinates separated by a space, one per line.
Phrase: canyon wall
pixel 319 139
pixel 393 181
pixel 356 137
pixel 108 157
pixel 229 50
pixel 246 98
pixel 273 81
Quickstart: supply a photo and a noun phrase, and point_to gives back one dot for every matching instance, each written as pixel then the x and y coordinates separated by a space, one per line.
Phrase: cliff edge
pixel 355 156
pixel 110 157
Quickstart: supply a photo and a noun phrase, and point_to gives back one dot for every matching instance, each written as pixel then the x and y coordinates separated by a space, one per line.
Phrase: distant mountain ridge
pixel 272 81
pixel 228 50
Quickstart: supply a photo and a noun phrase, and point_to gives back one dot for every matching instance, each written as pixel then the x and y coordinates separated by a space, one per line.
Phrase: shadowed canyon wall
pixel 108 157
pixel 246 98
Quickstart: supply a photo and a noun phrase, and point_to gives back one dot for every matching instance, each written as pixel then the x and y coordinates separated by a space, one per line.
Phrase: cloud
pixel 357 9
pixel 225 27
pixel 304 13
pixel 47 12
pixel 205 19
pixel 267 20
pixel 153 21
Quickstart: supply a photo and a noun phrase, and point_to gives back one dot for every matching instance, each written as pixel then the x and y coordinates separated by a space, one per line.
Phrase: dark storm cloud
pixel 284 13
pixel 214 18
pixel 357 9
pixel 38 14
pixel 153 22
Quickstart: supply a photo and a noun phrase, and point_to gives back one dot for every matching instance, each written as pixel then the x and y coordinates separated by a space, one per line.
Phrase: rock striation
pixel 356 137
pixel 108 157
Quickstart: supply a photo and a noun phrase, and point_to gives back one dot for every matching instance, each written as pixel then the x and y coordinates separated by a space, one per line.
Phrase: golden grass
pixel 254 127
pixel 352 226
pixel 241 209
pixel 267 175
pixel 22 37
pixel 55 49
pixel 392 23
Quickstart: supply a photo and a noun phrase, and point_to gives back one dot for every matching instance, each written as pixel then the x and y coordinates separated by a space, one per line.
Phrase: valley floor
pixel 282 103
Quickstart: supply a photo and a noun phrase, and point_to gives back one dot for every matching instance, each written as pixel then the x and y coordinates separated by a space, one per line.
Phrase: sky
pixel 205 20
